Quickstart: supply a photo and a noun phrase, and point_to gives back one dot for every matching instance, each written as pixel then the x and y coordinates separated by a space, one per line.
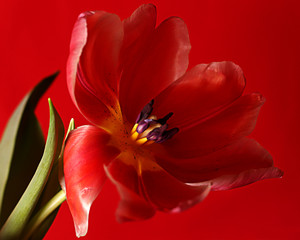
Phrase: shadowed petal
pixel 90 106
pixel 78 41
pixel 137 29
pixel 92 68
pixel 85 152
pixel 167 193
pixel 239 164
pixel 160 61
pixel 205 89
pixel 247 177
pixel 141 178
pixel 100 56
pixel 132 205
pixel 229 125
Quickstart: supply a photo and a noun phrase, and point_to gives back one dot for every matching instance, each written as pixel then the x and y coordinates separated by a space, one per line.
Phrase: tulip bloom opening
pixel 164 136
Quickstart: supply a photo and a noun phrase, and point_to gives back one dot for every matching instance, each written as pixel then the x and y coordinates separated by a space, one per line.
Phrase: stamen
pixel 134 136
pixel 168 134
pixel 145 113
pixel 156 133
pixel 163 120
pixel 148 129
pixel 152 117
pixel 134 128
pixel 141 141
pixel 142 126
pixel 147 124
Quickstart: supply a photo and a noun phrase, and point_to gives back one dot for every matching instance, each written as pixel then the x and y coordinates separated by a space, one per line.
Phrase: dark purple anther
pixel 168 134
pixel 160 133
pixel 145 113
pixel 163 120
pixel 143 125
pixel 157 133
pixel 154 134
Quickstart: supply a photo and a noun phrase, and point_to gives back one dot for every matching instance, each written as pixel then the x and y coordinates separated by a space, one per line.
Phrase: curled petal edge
pixel 244 178
pixel 85 152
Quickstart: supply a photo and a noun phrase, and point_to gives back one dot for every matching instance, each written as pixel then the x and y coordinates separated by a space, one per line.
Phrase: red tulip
pixel 165 137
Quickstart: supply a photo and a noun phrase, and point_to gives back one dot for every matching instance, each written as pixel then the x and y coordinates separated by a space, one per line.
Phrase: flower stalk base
pixel 44 212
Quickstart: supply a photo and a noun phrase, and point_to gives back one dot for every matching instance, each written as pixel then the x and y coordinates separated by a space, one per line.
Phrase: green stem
pixel 43 213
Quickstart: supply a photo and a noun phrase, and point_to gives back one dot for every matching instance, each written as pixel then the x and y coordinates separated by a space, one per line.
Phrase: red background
pixel 261 36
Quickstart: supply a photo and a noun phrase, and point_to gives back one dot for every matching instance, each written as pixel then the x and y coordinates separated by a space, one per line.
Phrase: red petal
pixel 78 41
pixel 239 164
pixel 168 193
pixel 85 152
pixel 100 56
pixel 229 125
pixel 137 29
pixel 90 106
pixel 159 62
pixel 141 178
pixel 132 205
pixel 92 69
pixel 205 89
pixel 233 181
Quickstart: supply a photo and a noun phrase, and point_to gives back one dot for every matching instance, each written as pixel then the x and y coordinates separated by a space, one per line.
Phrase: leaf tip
pixel 56 73
pixel 51 107
pixel 72 124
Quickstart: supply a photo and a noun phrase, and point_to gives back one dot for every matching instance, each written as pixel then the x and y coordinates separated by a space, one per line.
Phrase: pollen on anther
pixel 141 141
pixel 134 128
pixel 134 136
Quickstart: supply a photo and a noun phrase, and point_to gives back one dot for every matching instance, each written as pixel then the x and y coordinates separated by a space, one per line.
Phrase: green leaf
pixel 61 176
pixel 71 127
pixel 18 219
pixel 51 189
pixel 21 149
pixel 41 219
pixel 44 227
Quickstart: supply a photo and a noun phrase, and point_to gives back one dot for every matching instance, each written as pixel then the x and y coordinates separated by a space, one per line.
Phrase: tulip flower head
pixel 163 135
